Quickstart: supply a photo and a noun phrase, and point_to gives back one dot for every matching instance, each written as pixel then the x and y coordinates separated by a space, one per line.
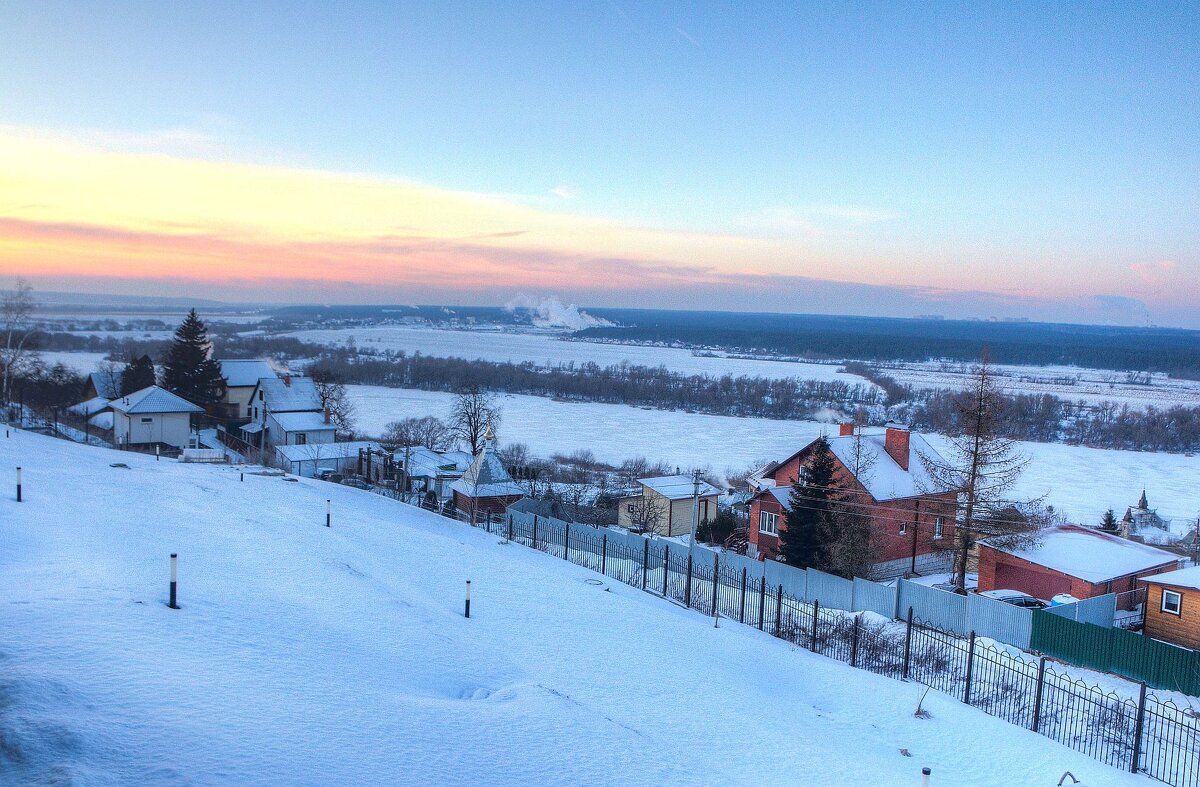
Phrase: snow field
pixel 307 655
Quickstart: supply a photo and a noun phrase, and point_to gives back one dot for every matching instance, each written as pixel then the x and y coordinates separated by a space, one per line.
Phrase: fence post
pixel 854 642
pixel 908 643
pixel 687 585
pixel 666 566
pixel 970 667
pixel 535 531
pixel 742 603
pixel 816 618
pixel 762 600
pixel 1137 733
pixel 604 554
pixel 1037 694
pixel 510 527
pixel 566 541
pixel 778 609
pixel 645 560
pixel 716 573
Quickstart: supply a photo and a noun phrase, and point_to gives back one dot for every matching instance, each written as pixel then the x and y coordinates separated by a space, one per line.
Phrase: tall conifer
pixel 188 371
pixel 805 539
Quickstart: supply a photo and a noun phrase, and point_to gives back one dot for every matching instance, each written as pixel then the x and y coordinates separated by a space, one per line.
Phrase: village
pixel 881 554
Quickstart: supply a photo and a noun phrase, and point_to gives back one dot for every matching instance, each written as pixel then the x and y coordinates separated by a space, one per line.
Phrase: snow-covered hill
pixel 307 655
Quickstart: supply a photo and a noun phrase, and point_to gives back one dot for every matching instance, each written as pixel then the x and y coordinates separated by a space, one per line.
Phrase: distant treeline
pixel 620 384
pixel 1175 352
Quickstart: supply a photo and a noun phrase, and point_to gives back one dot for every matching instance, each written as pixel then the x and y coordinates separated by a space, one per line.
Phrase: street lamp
pixel 695 509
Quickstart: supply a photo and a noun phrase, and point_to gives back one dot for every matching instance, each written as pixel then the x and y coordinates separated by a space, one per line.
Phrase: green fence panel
pixel 1077 643
pixel 1161 665
pixel 1134 656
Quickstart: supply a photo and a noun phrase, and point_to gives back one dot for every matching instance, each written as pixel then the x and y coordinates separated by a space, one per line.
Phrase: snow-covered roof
pixel 289 394
pixel 487 477
pixel 252 428
pixel 426 463
pixel 1183 578
pixel 91 406
pixel 302 422
pixel 106 384
pixel 245 373
pixel 153 400
pixel 883 477
pixel 1088 554
pixel 313 451
pixel 677 487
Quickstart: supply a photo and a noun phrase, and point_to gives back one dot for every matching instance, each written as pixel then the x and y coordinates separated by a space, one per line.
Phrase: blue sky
pixel 1046 153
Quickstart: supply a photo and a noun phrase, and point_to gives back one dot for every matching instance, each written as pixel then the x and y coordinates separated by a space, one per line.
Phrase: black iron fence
pixel 1146 734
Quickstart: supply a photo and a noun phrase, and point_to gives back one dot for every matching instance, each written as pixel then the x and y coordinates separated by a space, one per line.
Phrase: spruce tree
pixel 137 374
pixel 188 371
pixel 1109 522
pixel 806 535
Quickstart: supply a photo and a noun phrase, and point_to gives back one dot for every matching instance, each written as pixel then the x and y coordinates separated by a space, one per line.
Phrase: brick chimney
pixel 326 415
pixel 895 442
pixel 287 380
pixel 845 430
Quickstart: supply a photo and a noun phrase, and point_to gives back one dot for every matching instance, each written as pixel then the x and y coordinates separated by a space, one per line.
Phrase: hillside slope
pixel 307 655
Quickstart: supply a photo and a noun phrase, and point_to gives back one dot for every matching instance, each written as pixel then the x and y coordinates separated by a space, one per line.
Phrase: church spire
pixel 1142 502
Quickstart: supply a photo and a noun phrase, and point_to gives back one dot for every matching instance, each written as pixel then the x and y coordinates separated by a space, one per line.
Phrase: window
pixel 147 420
pixel 1172 602
pixel 903 528
pixel 301 439
pixel 803 478
pixel 260 396
pixel 249 411
pixel 939 526
pixel 768 523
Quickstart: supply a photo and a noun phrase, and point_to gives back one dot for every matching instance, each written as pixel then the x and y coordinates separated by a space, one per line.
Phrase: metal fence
pixel 1147 734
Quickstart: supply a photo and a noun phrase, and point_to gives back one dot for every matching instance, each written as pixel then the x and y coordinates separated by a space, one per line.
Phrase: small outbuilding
pixel 486 488
pixel 1072 559
pixel 153 416
pixel 1173 607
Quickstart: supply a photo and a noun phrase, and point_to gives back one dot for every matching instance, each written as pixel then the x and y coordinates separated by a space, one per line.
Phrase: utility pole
pixel 695 509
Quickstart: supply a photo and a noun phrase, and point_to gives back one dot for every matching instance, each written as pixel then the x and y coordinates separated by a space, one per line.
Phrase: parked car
pixel 357 483
pixel 326 475
pixel 1016 598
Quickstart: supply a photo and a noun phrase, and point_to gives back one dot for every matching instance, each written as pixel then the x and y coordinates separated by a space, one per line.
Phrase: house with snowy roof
pixel 241 378
pixel 912 515
pixel 486 487
pixel 287 410
pixel 664 505
pixel 102 385
pixel 432 471
pixel 153 416
pixel 1080 561
pixel 1173 607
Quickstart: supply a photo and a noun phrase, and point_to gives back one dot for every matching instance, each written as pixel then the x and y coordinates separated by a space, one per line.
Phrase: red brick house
pixel 912 517
pixel 1073 559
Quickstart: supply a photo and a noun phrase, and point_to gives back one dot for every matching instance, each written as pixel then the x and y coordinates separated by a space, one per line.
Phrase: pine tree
pixel 137 374
pixel 805 539
pixel 188 371
pixel 1109 522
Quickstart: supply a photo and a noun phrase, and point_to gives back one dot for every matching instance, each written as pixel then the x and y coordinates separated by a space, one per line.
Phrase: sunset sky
pixel 1017 160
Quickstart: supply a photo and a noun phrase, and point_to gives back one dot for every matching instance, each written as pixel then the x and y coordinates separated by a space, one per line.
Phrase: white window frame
pixel 939 527
pixel 1178 597
pixel 904 527
pixel 768 523
pixel 301 438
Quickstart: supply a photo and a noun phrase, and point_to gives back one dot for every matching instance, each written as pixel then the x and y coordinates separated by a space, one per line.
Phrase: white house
pixel 152 415
pixel 287 411
pixel 241 377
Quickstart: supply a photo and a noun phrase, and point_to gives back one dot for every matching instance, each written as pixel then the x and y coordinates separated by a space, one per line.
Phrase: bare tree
pixel 16 353
pixel 428 431
pixel 981 467
pixel 647 514
pixel 473 413
pixel 336 401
